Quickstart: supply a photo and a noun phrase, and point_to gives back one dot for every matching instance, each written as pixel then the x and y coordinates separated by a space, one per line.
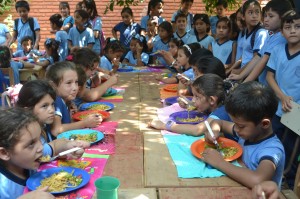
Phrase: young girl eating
pixel 64 79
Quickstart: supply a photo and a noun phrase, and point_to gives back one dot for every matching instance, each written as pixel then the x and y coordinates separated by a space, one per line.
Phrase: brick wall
pixel 42 10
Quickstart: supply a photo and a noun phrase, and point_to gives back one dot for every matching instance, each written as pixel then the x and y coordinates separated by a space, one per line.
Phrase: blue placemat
pixel 188 166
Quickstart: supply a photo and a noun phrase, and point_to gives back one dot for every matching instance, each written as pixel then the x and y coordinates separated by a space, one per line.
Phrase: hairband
pixel 139 37
pixel 48 42
pixel 188 48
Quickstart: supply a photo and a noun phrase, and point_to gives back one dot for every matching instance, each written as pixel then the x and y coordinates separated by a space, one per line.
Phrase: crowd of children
pixel 209 53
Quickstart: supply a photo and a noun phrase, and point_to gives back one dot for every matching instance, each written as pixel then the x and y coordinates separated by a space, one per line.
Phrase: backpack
pixel 252 40
pixel 31 25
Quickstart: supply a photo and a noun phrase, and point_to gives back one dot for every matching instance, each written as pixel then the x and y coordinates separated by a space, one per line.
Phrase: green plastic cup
pixel 107 187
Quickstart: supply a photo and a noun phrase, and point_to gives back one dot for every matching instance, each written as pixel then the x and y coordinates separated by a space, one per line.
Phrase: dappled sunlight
pixel 141 196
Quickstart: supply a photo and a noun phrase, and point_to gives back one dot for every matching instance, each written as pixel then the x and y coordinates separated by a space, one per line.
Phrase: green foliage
pixel 210 5
pixel 122 3
pixel 5 5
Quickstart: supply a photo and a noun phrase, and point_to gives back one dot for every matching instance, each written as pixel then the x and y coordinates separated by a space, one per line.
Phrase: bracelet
pixel 169 125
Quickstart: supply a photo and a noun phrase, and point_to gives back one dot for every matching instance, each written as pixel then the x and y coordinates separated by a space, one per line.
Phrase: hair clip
pixel 2 52
pixel 188 48
pixel 48 42
pixel 139 37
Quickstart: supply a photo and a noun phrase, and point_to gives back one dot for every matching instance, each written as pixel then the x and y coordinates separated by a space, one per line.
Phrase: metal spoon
pixel 213 136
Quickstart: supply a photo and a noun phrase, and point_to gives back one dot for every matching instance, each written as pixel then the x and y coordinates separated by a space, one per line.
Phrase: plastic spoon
pixel 65 153
pixel 213 136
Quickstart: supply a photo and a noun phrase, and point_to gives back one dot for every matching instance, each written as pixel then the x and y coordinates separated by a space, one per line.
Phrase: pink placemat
pixel 107 127
pixel 95 169
pixel 106 146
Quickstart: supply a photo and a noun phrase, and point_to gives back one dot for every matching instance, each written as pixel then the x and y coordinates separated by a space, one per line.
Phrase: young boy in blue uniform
pixel 251 107
pixel 283 77
pixel 221 8
pixel 181 33
pixel 23 27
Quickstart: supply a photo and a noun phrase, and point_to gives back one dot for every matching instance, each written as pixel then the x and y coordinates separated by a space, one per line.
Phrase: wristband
pixel 169 125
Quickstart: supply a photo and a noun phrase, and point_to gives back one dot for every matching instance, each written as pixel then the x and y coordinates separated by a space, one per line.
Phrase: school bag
pixel 31 25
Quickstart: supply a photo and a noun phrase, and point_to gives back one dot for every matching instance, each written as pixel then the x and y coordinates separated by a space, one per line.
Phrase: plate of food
pixel 156 66
pixel 88 135
pixel 100 106
pixel 125 69
pixel 110 92
pixel 59 180
pixel 83 114
pixel 231 149
pixel 187 117
pixel 173 100
pixel 171 88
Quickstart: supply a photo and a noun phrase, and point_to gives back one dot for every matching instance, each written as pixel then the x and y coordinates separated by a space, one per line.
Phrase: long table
pixel 142 161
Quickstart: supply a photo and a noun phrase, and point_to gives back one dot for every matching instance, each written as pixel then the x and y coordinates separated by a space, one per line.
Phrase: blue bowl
pixel 184 115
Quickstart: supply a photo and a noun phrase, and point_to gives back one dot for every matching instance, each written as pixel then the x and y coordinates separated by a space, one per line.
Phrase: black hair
pixel 210 85
pixel 27 38
pixel 167 26
pixel 210 64
pixel 141 39
pixel 234 27
pixel 57 20
pixel 204 18
pixel 189 49
pixel 227 22
pixel 127 10
pixel 79 4
pixel 252 101
pixel 56 71
pixel 83 14
pixel 176 41
pixel 152 4
pixel 90 4
pixel 221 3
pixel 247 4
pixel 289 17
pixel 201 52
pixel 12 120
pixel 114 45
pixel 33 91
pixel 22 4
pixel 278 6
pixel 65 4
pixel 180 15
pixel 85 58
pixel 52 44
pixel 5 57
pixel 186 1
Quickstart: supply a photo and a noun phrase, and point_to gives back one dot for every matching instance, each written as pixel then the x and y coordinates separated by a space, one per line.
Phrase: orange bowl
pixel 171 88
pixel 81 115
pixel 198 147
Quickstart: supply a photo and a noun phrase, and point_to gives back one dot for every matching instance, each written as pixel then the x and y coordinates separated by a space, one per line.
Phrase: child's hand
pixel 184 79
pixel 37 194
pixel 73 108
pixel 113 79
pixel 216 130
pixel 157 124
pixel 77 143
pixel 139 48
pixel 234 77
pixel 115 62
pixel 212 157
pixel 93 120
pixel 286 103
pixel 267 188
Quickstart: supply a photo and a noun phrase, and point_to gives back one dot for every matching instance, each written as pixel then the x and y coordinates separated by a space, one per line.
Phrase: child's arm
pixel 37 39
pixel 210 47
pixel 285 100
pixel 233 54
pixel 269 188
pixel 8 39
pixel 60 145
pixel 125 61
pixel 67 27
pixel 170 80
pixel 258 68
pixel 36 194
pixel 139 50
pixel 14 37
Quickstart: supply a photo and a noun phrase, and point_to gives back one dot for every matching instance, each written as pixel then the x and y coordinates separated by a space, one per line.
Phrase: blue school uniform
pixel 213 24
pixel 62 37
pixel 205 41
pixel 145 19
pixel 286 69
pixel 158 44
pixel 70 20
pixel 81 38
pixel 269 148
pixel 189 19
pixel 189 73
pixel 222 51
pixel 187 38
pixel 62 110
pixel 3 31
pixel 259 41
pixel 270 43
pixel 127 32
pixel 239 46
pixel 96 24
pixel 16 66
pixel 20 53
pixel 105 63
pixel 132 60
pixel 23 30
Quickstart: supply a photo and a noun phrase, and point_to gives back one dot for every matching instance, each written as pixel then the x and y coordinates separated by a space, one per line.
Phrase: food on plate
pixel 195 119
pixel 227 151
pixel 91 137
pixel 101 107
pixel 74 163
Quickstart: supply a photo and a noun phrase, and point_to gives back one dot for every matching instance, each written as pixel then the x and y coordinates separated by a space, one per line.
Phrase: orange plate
pixel 198 147
pixel 104 114
pixel 171 88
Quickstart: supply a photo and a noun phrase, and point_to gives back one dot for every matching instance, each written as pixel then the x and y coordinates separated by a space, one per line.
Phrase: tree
pixel 122 3
pixel 211 4
pixel 5 5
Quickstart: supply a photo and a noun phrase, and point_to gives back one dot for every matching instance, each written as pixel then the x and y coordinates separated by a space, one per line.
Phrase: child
pixel 165 33
pixel 64 78
pixel 68 20
pixel 185 6
pixel 208 97
pixel 223 48
pixel 21 150
pixel 79 5
pixel 283 77
pixel 5 62
pixel 241 26
pixel 96 24
pixel 111 59
pixel 5 36
pixel 184 52
pixel 61 36
pixel 251 107
pixel 221 8
pixel 155 8
pixel 137 56
pixel 273 12
pixel 152 32
pixel 201 30
pixel 127 28
pixel 181 21
pixel 80 36
pixel 27 45
pixel 267 189
pixel 90 86
pixel 25 26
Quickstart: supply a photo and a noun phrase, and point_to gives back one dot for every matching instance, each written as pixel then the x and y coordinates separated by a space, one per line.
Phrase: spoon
pixel 213 136
pixel 65 153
